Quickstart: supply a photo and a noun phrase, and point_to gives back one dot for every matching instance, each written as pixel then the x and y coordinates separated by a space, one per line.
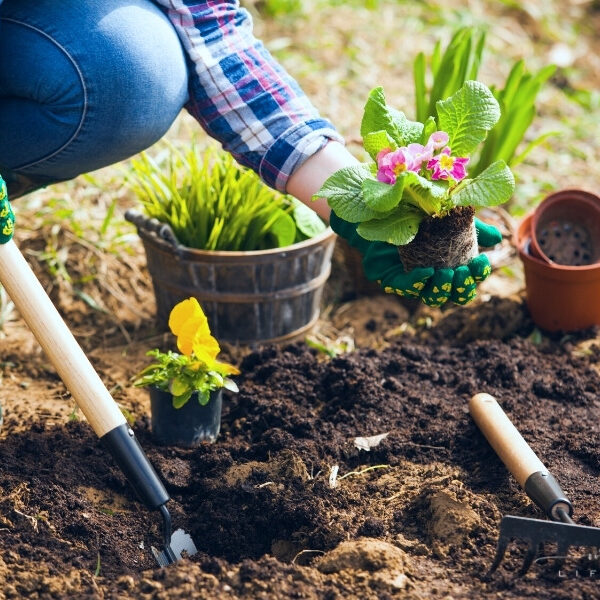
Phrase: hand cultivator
pixel 537 482
pixel 83 382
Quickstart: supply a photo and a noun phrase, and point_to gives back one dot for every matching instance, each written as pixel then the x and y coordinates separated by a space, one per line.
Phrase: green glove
pixel 434 286
pixel 7 217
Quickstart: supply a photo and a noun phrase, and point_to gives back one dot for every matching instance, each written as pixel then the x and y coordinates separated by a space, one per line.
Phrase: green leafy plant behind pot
pixel 459 62
pixel 211 203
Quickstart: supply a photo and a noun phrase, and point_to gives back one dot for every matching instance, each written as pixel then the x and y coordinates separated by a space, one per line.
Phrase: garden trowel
pixel 539 485
pixel 89 392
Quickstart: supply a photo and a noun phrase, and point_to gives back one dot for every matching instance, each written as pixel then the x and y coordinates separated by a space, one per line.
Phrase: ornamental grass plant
pixel 212 203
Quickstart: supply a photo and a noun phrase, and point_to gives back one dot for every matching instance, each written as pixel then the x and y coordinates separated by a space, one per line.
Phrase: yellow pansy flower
pixel 188 322
pixel 184 311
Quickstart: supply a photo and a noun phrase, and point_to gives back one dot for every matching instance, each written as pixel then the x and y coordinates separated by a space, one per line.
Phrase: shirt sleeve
pixel 241 95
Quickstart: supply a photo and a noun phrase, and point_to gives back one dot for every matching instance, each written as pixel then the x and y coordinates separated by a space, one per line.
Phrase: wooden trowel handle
pixel 48 327
pixel 504 438
pixel 79 375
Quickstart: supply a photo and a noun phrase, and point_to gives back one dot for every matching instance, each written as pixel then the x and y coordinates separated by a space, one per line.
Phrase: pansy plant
pixel 195 367
pixel 418 169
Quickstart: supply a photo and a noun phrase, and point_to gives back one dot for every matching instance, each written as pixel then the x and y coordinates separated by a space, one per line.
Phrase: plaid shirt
pixel 241 96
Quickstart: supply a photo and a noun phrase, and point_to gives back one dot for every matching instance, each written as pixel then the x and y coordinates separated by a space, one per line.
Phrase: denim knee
pixel 83 85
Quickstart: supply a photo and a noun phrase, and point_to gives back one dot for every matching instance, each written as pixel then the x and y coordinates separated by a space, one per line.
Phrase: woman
pixel 86 84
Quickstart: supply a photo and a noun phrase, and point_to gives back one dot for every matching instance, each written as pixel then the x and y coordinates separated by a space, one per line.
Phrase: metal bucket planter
pixel 249 297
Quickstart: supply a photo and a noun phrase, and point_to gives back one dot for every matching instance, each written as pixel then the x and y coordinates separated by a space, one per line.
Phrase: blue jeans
pixel 84 84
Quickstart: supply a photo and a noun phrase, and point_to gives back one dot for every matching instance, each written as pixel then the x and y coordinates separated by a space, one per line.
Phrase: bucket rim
pixel 316 240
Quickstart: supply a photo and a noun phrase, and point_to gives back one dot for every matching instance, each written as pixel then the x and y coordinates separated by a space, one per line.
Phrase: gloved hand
pixel 435 287
pixel 7 217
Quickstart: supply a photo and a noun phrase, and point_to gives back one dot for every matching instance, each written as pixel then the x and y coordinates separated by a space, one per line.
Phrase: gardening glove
pixel 459 284
pixel 381 262
pixel 7 217
pixel 434 286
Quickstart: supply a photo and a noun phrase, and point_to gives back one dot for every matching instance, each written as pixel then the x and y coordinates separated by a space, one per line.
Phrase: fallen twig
pixel 306 552
pixel 365 470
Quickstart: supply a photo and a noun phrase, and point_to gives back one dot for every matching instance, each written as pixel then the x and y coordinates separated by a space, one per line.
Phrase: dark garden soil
pixel 285 505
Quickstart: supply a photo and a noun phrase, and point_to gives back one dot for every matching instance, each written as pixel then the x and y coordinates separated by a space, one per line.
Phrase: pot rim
pixel 584 197
pixel 524 227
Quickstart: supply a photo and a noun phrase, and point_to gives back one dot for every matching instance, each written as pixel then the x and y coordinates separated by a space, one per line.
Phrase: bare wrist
pixel 309 178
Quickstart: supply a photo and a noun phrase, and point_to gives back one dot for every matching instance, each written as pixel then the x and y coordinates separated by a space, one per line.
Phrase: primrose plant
pixel 419 170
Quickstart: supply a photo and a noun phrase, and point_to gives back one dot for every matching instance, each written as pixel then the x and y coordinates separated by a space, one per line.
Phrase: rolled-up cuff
pixel 292 148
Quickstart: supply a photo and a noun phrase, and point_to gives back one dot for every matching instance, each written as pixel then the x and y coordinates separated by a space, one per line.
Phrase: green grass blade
pixel 420 89
pixel 532 145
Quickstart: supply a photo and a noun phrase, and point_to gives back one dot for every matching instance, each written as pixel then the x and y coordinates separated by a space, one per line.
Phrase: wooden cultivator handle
pixel 504 438
pixel 518 457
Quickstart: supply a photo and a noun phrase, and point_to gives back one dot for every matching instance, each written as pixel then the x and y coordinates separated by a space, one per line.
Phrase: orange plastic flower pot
pixel 565 228
pixel 559 297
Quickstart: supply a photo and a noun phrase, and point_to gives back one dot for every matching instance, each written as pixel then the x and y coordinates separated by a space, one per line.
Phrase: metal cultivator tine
pixel 538 531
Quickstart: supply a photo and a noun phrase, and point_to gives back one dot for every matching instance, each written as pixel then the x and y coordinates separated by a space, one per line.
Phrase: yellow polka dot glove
pixel 7 217
pixel 435 287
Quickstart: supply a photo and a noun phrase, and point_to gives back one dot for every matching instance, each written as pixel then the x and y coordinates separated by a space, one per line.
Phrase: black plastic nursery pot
pixel 248 297
pixel 188 426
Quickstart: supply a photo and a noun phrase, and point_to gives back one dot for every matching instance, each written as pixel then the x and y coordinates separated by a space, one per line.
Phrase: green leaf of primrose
pixel 398 228
pixel 376 141
pixel 307 220
pixel 429 128
pixel 380 196
pixel 424 194
pixel 492 187
pixel 410 131
pixel 343 191
pixel 378 116
pixel 467 116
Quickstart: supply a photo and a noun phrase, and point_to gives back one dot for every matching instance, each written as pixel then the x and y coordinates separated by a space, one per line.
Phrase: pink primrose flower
pixel 438 139
pixel 382 153
pixel 445 166
pixel 390 165
pixel 417 155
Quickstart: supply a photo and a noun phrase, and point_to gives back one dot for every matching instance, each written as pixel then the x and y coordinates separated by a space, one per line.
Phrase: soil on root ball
pixel 286 505
pixel 444 242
